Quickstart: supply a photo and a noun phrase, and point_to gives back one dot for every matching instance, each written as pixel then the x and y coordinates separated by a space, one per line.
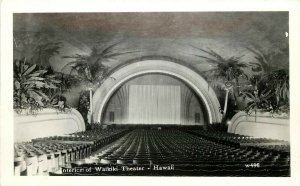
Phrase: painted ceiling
pixel 169 34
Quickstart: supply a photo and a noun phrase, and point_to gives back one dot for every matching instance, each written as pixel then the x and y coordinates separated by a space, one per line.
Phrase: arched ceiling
pixel 169 34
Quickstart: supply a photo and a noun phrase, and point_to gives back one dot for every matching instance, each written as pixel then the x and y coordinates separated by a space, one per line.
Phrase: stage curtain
pixel 154 104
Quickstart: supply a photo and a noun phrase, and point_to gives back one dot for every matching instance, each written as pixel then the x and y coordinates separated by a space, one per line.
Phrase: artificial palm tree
pixel 90 68
pixel 225 73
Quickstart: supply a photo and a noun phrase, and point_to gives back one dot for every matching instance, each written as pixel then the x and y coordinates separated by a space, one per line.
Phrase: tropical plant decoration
pixel 226 73
pixel 67 81
pixel 90 68
pixel 271 93
pixel 30 86
pixel 84 104
pixel 279 81
pixel 275 77
pixel 257 99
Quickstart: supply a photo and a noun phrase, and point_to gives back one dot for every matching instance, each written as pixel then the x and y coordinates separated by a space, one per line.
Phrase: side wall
pixel 47 122
pixel 263 125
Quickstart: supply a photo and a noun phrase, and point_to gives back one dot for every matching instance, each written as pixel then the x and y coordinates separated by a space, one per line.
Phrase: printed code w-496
pixel 252 165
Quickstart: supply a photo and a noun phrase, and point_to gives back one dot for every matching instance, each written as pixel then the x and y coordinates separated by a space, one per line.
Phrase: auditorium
pixel 195 94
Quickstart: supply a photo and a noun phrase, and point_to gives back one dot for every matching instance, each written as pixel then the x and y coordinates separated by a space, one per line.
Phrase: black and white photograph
pixel 156 94
pixel 151 94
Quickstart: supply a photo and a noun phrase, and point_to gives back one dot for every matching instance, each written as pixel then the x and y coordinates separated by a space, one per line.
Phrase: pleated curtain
pixel 154 104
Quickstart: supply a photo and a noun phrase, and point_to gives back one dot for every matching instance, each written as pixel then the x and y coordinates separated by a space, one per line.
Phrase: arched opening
pixel 155 99
pixel 149 66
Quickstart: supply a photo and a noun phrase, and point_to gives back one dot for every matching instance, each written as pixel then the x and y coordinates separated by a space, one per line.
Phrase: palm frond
pixel 210 53
pixel 209 60
pixel 109 49
pixel 118 54
pixel 214 54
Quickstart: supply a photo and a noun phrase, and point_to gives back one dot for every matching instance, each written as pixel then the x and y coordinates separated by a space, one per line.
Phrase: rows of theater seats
pixel 191 155
pixel 98 137
pixel 44 155
pixel 241 140
pixel 41 158
pixel 193 152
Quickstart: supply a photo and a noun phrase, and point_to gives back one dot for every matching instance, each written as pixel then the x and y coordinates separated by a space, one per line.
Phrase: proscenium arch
pixel 150 66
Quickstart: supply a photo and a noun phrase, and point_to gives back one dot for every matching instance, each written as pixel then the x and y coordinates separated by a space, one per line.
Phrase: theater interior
pixel 151 94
